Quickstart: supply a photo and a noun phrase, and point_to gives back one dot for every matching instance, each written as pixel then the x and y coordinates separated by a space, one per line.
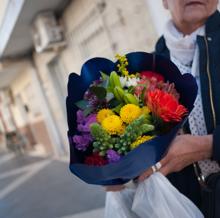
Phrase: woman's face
pixel 190 11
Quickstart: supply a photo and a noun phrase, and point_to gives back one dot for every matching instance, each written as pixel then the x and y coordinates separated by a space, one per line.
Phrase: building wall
pixel 3 126
pixel 6 119
pixel 3 7
pixel 103 29
pixel 158 14
pixel 18 87
pixel 27 111
pixel 55 101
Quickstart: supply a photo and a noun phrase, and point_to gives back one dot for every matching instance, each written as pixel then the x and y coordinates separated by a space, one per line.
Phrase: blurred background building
pixel 43 41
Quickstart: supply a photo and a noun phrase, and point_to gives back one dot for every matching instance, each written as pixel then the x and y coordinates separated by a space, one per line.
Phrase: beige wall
pixel 56 104
pixel 18 88
pixel 24 92
pixel 30 123
pixel 126 26
pixel 130 25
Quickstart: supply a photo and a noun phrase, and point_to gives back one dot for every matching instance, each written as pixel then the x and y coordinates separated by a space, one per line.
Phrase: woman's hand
pixel 184 150
pixel 114 188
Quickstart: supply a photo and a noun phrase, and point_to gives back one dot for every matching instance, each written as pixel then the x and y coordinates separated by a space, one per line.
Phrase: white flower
pixel 127 82
pixel 123 81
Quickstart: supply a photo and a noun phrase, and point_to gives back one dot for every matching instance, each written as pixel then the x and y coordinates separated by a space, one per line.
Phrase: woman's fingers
pixel 166 165
pixel 114 188
pixel 145 175
pixel 164 169
pixel 183 151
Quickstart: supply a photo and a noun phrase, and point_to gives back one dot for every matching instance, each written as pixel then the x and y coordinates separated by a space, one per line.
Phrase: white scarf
pixel 181 47
pixel 184 52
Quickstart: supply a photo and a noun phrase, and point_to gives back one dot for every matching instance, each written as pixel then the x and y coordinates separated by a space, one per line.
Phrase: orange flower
pixel 165 106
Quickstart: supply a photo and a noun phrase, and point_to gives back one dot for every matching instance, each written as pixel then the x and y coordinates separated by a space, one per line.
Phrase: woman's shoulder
pixel 213 23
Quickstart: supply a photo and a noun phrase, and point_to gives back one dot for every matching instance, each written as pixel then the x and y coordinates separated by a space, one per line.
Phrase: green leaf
pixel 143 94
pixel 104 76
pixel 118 108
pixel 113 103
pixel 100 92
pixel 87 111
pixel 82 104
pixel 110 89
pixel 131 89
pixel 102 153
pixel 104 84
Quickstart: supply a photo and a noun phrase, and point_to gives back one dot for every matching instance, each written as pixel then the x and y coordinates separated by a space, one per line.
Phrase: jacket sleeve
pixel 216 143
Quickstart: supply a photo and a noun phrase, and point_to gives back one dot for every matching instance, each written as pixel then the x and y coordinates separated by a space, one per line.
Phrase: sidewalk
pixel 98 213
pixel 34 187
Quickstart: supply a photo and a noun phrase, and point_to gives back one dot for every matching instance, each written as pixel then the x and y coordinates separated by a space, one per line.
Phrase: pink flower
pixel 150 74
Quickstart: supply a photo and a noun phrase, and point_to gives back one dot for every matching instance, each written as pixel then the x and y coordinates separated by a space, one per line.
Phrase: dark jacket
pixel 209 57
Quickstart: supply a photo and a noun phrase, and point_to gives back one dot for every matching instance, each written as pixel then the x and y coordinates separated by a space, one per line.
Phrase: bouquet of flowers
pixel 122 116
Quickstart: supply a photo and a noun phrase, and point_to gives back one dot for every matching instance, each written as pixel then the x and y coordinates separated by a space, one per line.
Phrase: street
pixel 36 187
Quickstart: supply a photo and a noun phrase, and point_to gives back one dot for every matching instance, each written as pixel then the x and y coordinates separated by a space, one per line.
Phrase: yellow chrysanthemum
pixel 102 114
pixel 140 140
pixel 122 130
pixel 130 112
pixel 112 124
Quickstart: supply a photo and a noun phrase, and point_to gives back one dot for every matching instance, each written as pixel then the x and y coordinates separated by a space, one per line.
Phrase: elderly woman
pixel 192 41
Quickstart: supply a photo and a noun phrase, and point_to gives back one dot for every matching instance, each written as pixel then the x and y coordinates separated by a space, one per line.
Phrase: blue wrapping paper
pixel 146 154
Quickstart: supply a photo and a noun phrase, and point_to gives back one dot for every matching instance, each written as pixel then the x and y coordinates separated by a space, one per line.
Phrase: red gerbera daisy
pixel 165 106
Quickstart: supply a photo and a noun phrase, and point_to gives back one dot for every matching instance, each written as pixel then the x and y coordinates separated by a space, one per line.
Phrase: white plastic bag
pixel 119 204
pixel 156 197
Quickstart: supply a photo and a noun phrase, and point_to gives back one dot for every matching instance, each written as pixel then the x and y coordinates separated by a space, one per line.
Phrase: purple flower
pixel 80 116
pixel 85 122
pixel 84 126
pixel 113 156
pixel 91 119
pixel 82 142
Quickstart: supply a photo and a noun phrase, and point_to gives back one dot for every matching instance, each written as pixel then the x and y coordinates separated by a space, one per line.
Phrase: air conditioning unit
pixel 46 32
